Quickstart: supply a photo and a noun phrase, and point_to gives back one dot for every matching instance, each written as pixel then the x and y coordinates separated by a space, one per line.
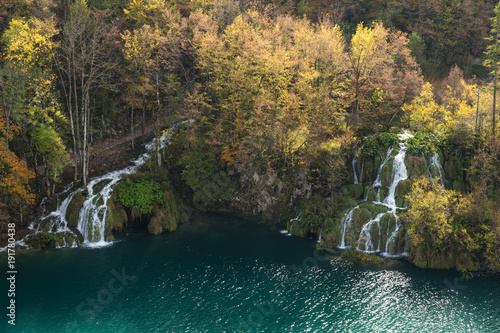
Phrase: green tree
pixel 493 52
pixel 34 107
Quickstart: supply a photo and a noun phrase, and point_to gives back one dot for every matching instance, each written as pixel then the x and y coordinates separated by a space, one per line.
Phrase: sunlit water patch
pixel 226 273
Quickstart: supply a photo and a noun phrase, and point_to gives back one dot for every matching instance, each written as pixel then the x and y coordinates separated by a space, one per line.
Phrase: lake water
pixel 228 273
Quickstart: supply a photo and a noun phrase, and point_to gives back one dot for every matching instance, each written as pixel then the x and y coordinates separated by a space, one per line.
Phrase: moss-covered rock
pixel 73 211
pixel 116 217
pixel 415 167
pixel 169 215
pixel 360 257
pixel 402 189
pixel 42 241
pixel 331 233
pixel 370 169
pixel 374 209
pixel 387 226
pixel 371 193
pixel 359 217
pixel 354 191
pixel 375 234
pixel 386 174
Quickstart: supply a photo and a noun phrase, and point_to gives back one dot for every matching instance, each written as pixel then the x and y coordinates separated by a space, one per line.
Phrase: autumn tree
pixel 276 86
pixel 381 70
pixel 34 107
pixel 85 62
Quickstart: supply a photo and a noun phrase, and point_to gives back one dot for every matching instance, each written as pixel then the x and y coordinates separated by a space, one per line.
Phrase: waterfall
pixel 355 169
pixel 361 173
pixel 345 224
pixel 92 215
pixel 293 221
pixel 437 166
pixel 365 235
pixel 378 181
pixel 319 238
pixel 399 173
pixel 392 239
pixel 366 241
pixel 377 184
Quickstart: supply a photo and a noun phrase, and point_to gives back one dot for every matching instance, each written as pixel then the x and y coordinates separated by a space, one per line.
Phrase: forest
pixel 280 98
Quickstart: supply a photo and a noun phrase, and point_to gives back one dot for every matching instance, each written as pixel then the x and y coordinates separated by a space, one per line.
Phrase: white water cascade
pixel 92 215
pixel 436 165
pixel 345 224
pixel 377 184
pixel 296 219
pixel 366 242
pixel 355 169
pixel 365 235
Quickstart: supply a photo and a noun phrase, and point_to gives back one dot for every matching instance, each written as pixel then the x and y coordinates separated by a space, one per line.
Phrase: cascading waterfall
pixel 378 181
pixel 320 232
pixel 377 184
pixel 399 173
pixel 345 224
pixel 355 169
pixel 365 237
pixel 436 165
pixel 292 222
pixel 393 237
pixel 366 242
pixel 92 215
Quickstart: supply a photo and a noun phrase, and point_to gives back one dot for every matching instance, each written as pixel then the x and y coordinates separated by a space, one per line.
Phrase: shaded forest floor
pixel 113 153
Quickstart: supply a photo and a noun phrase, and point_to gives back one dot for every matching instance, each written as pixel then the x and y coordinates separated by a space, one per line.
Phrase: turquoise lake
pixel 229 273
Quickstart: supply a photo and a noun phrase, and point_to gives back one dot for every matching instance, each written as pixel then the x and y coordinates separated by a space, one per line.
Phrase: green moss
pixel 374 232
pixel 331 233
pixel 169 215
pixel 386 174
pixel 415 167
pixel 402 189
pixel 360 257
pixel 354 191
pixel 387 225
pixel 42 241
pixel 368 170
pixel 359 217
pixel 59 238
pixel 372 194
pixel 116 217
pixel 374 209
pixel 73 211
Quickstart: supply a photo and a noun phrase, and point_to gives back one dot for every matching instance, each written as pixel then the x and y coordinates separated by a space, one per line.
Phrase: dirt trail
pixel 116 152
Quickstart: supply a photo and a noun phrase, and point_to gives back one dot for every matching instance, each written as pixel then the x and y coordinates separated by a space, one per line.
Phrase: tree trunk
pixel 132 120
pixel 495 89
pixel 143 119
pixel 494 99
pixel 477 109
pixel 158 154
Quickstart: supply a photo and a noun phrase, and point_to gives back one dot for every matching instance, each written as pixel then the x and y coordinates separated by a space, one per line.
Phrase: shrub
pixel 140 194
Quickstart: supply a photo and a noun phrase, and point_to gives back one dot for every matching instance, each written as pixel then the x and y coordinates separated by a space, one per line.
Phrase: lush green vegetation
pixel 282 94
pixel 140 194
